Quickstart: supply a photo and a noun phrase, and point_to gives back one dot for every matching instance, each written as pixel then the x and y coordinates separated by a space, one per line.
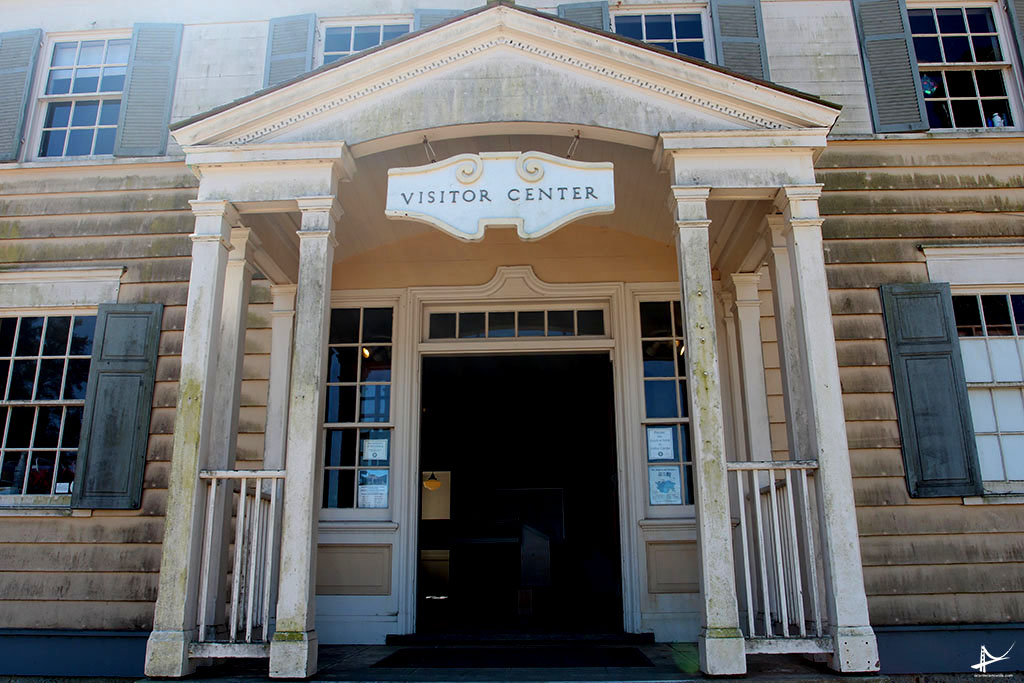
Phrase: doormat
pixel 513 658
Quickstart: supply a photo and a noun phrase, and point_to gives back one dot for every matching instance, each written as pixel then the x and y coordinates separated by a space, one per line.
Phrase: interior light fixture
pixel 366 352
pixel 432 483
pixel 682 347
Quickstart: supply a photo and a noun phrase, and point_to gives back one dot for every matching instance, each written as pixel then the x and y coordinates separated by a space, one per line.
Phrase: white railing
pixel 778 555
pixel 237 592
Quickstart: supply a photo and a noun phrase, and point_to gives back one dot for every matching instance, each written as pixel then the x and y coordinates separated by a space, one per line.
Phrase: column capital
pixel 798 201
pixel 283 298
pixel 323 204
pixel 213 221
pixel 215 207
pixel 744 286
pixel 244 244
pixel 689 205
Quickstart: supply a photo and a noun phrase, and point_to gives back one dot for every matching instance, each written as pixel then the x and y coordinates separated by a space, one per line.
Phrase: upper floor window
pixel 680 32
pixel 81 99
pixel 965 70
pixel 342 41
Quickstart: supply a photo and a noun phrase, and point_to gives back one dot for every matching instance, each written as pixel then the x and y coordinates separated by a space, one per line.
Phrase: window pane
pixel 12 472
pixel 684 400
pixel 990 83
pixel 342 363
pixel 931 84
pixel 338 39
pixel 64 54
pixel 375 447
pixel 989 458
pixel 629 26
pixel 65 472
pixel 659 27
pixel 927 49
pixel 23 375
pixel 1009 408
pixel 117 51
pixel 982 412
pixel 561 324
pixel 442 326
pixel 375 403
pixel 951 21
pixel 72 427
pixel 57 115
pixel 85 113
pixel 86 80
pixel 340 448
pixel 967 315
pixel 1018 313
pixel 373 488
pixel 113 79
pixel 660 399
pixel 7 329
pixel 531 324
pixel 471 325
pixel 29 336
pixel 960 84
pixel 5 366
pixel 19 428
pixel 78 375
pixel 56 339
pixel 997 113
pixel 91 52
pixel 394 31
pixel 655 319
pixel 659 359
pixel 332 58
pixel 80 142
pixel 339 489
pixel 365 37
pixel 921 21
pixel 501 324
pixel 986 48
pixel 340 405
pixel 105 141
pixel 344 326
pixel 957 49
pixel 377 325
pixel 689 26
pixel 997 315
pixel 694 49
pixel 47 427
pixel 59 82
pixel 1013 451
pixel 662 443
pixel 677 318
pixel 966 114
pixel 376 364
pixel 51 372
pixel 980 20
pixel 938 115
pixel 81 335
pixel 592 322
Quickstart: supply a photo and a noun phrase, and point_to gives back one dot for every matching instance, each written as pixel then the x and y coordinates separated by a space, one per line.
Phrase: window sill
pixel 962 134
pixel 39 506
pixel 995 499
pixel 63 162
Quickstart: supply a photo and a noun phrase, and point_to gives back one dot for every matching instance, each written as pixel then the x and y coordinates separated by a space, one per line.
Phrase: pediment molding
pixel 737 101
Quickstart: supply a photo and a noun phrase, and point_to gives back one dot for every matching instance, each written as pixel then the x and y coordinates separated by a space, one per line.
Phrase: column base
pixel 855 649
pixel 167 654
pixel 722 652
pixel 293 654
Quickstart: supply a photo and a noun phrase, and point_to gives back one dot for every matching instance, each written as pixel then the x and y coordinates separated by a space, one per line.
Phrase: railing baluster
pixel 812 565
pixel 250 578
pixel 236 583
pixel 204 579
pixel 798 591
pixel 765 599
pixel 741 504
pixel 271 554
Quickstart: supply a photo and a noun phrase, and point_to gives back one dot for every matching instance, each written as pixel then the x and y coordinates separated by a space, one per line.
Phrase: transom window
pixel 680 32
pixel 666 416
pixel 357 419
pixel 82 97
pixel 512 324
pixel 964 69
pixel 991 331
pixel 342 41
pixel 44 368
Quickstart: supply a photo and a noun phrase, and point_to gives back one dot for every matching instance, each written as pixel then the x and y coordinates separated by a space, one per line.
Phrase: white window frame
pixel 1010 63
pixel 380 20
pixel 677 8
pixel 989 269
pixel 40 100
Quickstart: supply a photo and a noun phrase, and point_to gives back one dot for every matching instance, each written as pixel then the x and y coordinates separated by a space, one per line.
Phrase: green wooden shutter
pixel 1015 8
pixel 119 397
pixel 939 452
pixel 148 91
pixel 739 37
pixel 425 18
pixel 890 66
pixel 592 14
pixel 289 48
pixel 18 53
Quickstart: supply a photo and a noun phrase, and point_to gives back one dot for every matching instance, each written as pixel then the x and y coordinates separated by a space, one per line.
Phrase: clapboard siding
pixel 101 571
pixel 927 560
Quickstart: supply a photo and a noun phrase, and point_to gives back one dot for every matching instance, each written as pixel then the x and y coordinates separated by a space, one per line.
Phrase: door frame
pixel 512 288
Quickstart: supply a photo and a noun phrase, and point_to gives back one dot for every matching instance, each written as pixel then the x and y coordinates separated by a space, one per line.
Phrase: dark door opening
pixel 525 445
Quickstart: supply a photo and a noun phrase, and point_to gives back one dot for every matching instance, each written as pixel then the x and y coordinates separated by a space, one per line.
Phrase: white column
pixel 720 642
pixel 790 338
pixel 730 366
pixel 282 321
pixel 293 651
pixel 174 620
pixel 751 362
pixel 854 640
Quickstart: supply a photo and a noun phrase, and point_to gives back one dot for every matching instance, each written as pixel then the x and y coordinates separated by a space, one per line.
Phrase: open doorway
pixel 519 528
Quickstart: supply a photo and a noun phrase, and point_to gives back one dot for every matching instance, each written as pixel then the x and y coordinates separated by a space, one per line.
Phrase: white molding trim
pixel 990 264
pixel 59 287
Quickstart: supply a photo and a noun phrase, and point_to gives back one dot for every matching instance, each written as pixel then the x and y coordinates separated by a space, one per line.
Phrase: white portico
pixel 292 183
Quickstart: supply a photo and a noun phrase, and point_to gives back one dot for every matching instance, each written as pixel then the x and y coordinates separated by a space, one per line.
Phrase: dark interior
pixel 533 539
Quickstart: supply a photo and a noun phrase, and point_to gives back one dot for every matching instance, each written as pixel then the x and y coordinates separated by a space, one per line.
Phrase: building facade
pixel 704 320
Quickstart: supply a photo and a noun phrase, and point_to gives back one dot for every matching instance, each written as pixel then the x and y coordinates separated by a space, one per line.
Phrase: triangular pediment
pixel 502 64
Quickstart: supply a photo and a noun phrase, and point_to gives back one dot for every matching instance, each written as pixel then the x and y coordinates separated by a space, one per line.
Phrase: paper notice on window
pixel 375 450
pixel 373 489
pixel 659 443
pixel 665 485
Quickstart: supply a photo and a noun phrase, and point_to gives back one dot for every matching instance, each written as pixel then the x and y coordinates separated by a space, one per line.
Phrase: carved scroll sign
pixel 535 192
